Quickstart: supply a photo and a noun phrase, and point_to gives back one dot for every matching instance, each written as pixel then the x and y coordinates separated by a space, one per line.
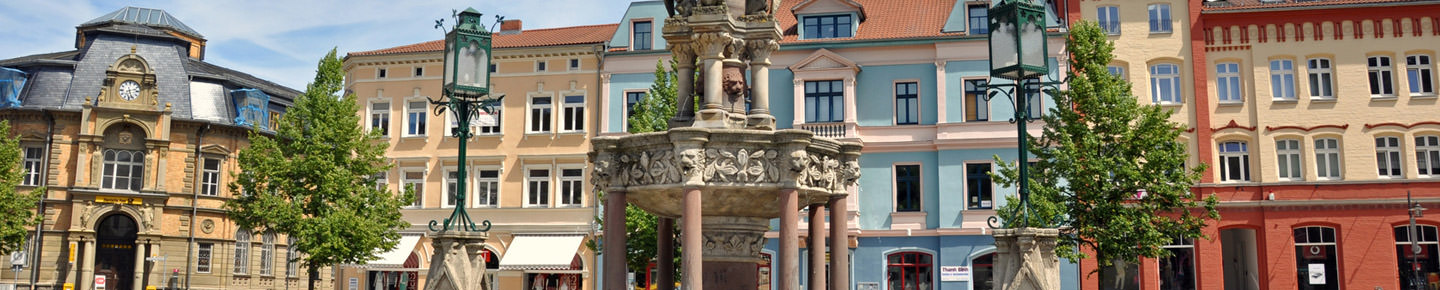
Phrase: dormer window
pixel 827 26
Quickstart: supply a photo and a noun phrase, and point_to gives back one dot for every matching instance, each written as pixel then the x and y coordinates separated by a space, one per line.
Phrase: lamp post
pixel 1018 52
pixel 1415 211
pixel 466 90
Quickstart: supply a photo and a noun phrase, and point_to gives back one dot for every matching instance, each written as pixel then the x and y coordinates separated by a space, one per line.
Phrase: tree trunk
pixel 314 276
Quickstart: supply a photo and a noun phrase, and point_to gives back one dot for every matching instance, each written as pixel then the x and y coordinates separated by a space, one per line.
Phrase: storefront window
pixel 909 271
pixel 1315 258
pixel 1177 271
pixel 1419 265
pixel 1120 275
pixel 984 267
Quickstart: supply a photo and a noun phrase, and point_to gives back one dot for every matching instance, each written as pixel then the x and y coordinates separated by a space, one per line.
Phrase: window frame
pixel 383 116
pixel 451 182
pixel 210 178
pixel 574 64
pixel 1162 11
pixel 1331 271
pixel 110 168
pixel 382 73
pixel 983 20
pixel 979 203
pixel 1242 156
pixel 204 257
pixel 1321 73
pixel 635 35
pixel 495 184
pixel 819 26
pixel 1328 153
pixel 542 65
pixel 34 164
pixel 419 71
pixel 1394 150
pixel 1426 238
pixel 542 200
pixel 1173 78
pixel 912 97
pixel 563 181
pixel 292 265
pixel 1427 154
pixel 1289 163
pixel 242 252
pixel 1282 79
pixel 1419 76
pixel 1110 24
pixel 572 114
pixel 1381 72
pixel 980 106
pixel 418 185
pixel 1175 245
pixel 928 280
pixel 832 95
pixel 416 120
pixel 532 109
pixel 1229 83
pixel 267 254
pixel 918 181
pixel 629 107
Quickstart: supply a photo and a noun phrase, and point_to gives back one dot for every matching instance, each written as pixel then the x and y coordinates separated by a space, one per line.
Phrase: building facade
pixel 1317 119
pixel 526 164
pixel 134 137
pixel 906 82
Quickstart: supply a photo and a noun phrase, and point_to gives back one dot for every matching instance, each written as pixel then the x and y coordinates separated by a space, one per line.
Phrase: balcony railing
pixel 837 130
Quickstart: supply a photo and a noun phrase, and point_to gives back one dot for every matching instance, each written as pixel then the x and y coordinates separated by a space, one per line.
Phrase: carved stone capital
pixel 759 50
pixel 711 45
pixel 733 239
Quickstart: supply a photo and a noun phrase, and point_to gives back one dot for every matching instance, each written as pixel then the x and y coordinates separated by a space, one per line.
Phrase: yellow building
pixel 527 162
pixel 135 138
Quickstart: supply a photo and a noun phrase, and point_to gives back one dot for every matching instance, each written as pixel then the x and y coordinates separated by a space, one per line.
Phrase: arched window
pixel 1417 255
pixel 267 254
pixel 1234 161
pixel 1316 262
pixel 909 271
pixel 242 252
pixel 984 269
pixel 1165 84
pixel 124 170
pixel 1427 154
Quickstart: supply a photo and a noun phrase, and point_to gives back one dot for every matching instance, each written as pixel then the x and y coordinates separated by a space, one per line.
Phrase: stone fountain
pixel 724 172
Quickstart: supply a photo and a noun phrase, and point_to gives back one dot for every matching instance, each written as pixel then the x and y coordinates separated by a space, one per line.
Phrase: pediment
pixel 828 6
pixel 215 149
pixel 824 59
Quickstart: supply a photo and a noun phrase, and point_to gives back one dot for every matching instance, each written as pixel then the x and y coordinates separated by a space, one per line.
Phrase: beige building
pixel 526 164
pixel 135 138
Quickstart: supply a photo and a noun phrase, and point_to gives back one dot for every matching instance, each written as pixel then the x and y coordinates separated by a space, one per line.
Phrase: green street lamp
pixel 1019 53
pixel 466 88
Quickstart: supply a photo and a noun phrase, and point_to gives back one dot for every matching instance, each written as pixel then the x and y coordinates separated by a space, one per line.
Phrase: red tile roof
pixel 884 19
pixel 528 38
pixel 1232 5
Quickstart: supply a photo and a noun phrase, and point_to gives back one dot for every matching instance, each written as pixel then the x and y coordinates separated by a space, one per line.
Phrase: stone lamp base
pixel 458 263
pixel 1025 259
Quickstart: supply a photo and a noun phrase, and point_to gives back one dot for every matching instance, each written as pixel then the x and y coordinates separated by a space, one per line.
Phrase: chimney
pixel 510 26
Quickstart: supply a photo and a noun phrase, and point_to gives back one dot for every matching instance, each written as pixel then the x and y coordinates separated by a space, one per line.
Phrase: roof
pixel 204 69
pixel 63 56
pixel 1236 5
pixel 884 19
pixel 526 38
pixel 143 16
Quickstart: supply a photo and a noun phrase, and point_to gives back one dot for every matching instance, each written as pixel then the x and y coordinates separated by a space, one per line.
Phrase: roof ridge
pixel 522 31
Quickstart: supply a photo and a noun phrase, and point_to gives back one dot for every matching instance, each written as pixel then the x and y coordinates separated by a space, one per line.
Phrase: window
pixel 494 68
pixel 984 269
pixel 976 108
pixel 979 19
pixel 1321 78
pixel 419 71
pixel 267 254
pixel 908 271
pixel 1165 84
pixel 1177 271
pixel 539 114
pixel 907 188
pixel 1417 253
pixel 292 265
pixel 829 26
pixel 210 177
pixel 1287 155
pixel 907 104
pixel 452 190
pixel 537 183
pixel 632 98
pixel 380 73
pixel 574 114
pixel 1120 275
pixel 242 252
pixel 1282 79
pixel 1387 156
pixel 1227 82
pixel 34 159
pixel 1116 71
pixel 487 187
pixel 1234 161
pixel 381 179
pixel 415 118
pixel 1327 158
pixel 641 38
pixel 124 170
pixel 574 64
pixel 1159 18
pixel 416 180
pixel 202 257
pixel 1035 101
pixel 571 186
pixel 380 118
pixel 1427 154
pixel 1315 258
pixel 1109 18
pixel 1381 81
pixel 824 101
pixel 540 66
pixel 1417 72
pixel 488 122
pixel 978 187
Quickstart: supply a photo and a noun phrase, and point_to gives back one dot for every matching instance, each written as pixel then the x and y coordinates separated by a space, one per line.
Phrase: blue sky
pixel 282 40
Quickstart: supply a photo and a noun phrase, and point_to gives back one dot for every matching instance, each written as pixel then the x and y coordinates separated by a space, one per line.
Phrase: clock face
pixel 129 90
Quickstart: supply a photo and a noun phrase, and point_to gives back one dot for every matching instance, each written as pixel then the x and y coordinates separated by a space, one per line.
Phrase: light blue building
pixel 908 82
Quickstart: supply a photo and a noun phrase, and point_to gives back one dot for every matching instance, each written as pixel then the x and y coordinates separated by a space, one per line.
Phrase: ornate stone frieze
pixel 649 167
pixel 742 165
pixel 727 238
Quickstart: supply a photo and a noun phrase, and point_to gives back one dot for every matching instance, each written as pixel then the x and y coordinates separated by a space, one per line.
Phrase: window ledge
pixel 537 206
pixel 1322 99
pixel 1170 104
pixel 1231 103
pixel 579 132
pixel 1162 32
pixel 1383 98
pixel 1423 96
pixel 412 137
pixel 1284 101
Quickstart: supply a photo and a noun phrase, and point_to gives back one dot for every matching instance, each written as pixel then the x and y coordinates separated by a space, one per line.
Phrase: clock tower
pixel 129 84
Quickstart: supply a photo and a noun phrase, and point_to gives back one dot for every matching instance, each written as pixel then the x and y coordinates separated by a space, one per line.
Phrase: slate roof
pixel 143 16
pixel 54 57
pixel 527 38
pixel 1241 5
pixel 205 69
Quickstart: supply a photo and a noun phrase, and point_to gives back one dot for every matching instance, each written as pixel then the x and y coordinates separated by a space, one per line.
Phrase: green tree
pixel 1099 148
pixel 314 180
pixel 17 209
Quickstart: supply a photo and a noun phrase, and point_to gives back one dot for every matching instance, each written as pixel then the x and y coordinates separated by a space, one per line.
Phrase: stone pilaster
pixel 1025 259
pixel 457 263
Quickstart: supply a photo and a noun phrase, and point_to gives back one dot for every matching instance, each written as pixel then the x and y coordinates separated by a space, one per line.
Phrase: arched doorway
pixel 115 251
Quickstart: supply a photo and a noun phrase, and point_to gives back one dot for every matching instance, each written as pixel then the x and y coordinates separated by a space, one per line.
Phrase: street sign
pixel 155 258
pixel 99 282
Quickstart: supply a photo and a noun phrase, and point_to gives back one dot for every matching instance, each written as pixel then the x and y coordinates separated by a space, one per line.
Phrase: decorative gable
pixel 824 60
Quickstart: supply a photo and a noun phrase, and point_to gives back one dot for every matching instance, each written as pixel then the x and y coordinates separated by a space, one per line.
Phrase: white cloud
pixel 282 40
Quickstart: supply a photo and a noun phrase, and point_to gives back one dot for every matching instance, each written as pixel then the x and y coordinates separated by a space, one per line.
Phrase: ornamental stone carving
pixel 650 167
pixel 743 165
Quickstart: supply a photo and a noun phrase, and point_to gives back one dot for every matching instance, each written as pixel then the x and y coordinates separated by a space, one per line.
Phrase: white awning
pixel 396 257
pixel 547 252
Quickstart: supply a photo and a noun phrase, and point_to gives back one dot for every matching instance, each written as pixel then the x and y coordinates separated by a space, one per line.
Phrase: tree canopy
pixel 1110 171
pixel 315 179
pixel 17 209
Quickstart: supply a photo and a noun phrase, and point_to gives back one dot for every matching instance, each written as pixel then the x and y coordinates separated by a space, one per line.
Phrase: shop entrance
pixel 115 251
